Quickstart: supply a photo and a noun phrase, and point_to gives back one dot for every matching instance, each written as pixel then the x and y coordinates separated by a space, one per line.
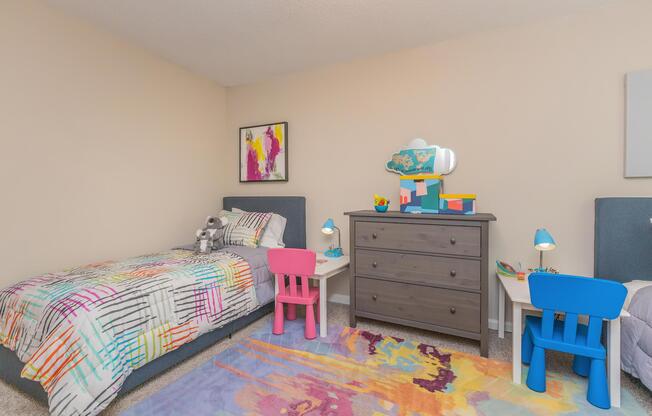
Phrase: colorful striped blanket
pixel 83 331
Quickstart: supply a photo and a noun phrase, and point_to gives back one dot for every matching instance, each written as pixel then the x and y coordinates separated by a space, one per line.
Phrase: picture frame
pixel 263 153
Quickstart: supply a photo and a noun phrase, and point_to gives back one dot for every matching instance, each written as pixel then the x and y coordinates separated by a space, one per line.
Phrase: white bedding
pixel 636 332
pixel 632 288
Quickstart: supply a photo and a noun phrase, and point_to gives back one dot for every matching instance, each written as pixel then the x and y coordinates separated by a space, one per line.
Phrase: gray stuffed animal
pixel 204 242
pixel 216 226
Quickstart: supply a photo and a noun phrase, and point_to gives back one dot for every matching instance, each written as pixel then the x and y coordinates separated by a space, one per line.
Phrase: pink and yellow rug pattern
pixel 355 372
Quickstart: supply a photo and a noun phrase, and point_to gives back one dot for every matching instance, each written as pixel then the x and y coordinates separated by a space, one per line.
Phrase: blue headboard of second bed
pixel 623 239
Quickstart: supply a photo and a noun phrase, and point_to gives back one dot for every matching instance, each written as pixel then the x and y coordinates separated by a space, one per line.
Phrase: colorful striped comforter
pixel 83 331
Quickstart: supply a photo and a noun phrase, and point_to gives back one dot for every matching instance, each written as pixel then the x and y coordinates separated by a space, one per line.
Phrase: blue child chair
pixel 573 296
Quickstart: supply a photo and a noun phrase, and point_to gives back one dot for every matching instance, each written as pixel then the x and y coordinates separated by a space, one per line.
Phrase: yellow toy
pixel 381 204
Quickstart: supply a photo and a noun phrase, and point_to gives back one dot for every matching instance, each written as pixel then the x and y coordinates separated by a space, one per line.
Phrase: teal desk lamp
pixel 543 241
pixel 329 228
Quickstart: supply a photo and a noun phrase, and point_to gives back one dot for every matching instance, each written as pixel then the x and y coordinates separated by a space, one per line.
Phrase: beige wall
pixel 105 150
pixel 108 151
pixel 535 115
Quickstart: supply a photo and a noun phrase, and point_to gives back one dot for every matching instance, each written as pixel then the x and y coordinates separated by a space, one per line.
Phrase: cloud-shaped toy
pixel 418 157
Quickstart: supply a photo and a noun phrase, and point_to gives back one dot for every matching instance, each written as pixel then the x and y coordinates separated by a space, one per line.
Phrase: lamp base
pixel 334 252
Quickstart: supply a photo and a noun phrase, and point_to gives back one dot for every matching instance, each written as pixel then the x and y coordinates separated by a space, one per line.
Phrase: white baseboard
pixel 340 298
pixel 493 324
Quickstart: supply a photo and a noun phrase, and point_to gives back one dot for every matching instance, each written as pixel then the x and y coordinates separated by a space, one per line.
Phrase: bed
pixel 245 295
pixel 623 252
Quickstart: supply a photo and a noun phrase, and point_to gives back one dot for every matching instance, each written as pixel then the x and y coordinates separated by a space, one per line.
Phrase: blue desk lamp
pixel 329 228
pixel 543 241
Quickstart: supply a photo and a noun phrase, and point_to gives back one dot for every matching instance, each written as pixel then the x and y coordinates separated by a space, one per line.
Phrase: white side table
pixel 519 293
pixel 327 267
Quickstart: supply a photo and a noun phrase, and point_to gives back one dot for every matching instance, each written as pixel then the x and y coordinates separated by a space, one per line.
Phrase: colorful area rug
pixel 354 372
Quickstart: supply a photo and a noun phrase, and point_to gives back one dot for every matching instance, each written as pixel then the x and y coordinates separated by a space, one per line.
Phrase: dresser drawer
pixel 427 238
pixel 419 268
pixel 443 307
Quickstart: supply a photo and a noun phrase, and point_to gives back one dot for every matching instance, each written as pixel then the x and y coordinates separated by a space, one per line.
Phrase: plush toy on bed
pixel 216 226
pixel 211 237
pixel 204 243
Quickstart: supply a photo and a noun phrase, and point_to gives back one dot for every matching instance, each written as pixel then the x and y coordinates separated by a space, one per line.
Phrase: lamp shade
pixel 329 227
pixel 543 241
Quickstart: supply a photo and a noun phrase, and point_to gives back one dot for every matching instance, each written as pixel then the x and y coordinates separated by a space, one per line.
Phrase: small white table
pixel 519 293
pixel 327 267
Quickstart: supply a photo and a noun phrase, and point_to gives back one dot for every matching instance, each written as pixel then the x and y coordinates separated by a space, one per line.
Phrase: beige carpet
pixel 12 402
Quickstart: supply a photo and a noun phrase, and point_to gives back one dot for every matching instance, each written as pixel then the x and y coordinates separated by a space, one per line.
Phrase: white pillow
pixel 633 287
pixel 273 233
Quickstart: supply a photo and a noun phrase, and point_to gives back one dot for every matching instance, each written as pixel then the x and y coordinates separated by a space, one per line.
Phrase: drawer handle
pixel 374 236
pixel 374 265
pixel 453 241
pixel 453 273
pixel 374 297
pixel 452 309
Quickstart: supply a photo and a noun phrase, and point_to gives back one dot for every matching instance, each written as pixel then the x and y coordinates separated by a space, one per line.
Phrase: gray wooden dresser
pixel 422 270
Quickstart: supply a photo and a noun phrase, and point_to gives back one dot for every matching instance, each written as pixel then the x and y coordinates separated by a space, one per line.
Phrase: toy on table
pixel 381 204
pixel 505 269
pixel 543 270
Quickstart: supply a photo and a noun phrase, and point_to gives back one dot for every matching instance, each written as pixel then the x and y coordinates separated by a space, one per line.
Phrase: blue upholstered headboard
pixel 623 239
pixel 291 207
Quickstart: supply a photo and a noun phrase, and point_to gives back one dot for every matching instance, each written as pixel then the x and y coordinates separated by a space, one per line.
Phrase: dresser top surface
pixel 398 214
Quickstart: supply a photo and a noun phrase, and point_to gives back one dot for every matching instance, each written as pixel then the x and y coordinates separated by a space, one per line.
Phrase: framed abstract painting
pixel 264 153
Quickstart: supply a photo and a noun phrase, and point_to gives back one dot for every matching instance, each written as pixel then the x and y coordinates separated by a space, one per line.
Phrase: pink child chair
pixel 294 262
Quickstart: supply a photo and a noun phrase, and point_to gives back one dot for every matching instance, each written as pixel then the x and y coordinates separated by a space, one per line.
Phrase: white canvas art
pixel 638 145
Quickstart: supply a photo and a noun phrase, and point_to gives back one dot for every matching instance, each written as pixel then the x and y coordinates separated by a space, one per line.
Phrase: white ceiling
pixel 242 41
